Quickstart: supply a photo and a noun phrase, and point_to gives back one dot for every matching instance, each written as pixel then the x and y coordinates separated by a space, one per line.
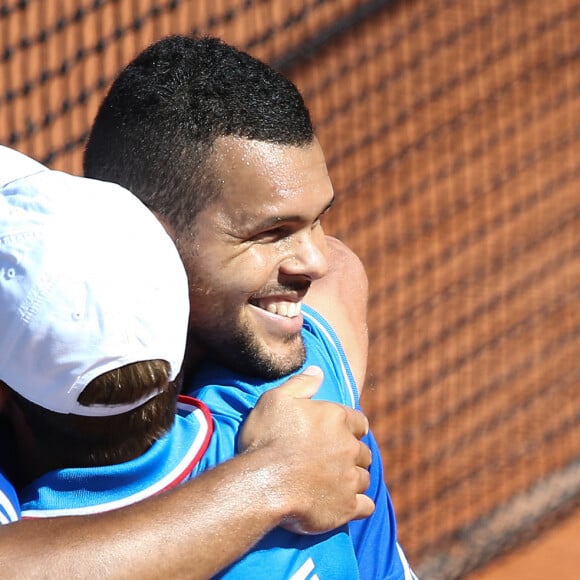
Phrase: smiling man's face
pixel 253 253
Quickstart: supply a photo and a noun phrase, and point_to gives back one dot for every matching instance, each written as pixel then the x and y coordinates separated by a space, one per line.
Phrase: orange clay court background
pixel 452 134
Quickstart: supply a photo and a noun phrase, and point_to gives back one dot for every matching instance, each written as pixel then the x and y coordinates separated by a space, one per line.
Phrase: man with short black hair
pixel 221 147
pixel 78 298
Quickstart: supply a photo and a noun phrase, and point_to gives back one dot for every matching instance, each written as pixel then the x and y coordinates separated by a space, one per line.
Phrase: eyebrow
pixel 273 221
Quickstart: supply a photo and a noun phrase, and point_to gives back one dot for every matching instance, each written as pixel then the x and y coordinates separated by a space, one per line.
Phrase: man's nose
pixel 308 257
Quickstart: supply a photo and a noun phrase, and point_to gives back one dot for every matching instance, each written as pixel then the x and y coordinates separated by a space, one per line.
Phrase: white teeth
pixel 287 309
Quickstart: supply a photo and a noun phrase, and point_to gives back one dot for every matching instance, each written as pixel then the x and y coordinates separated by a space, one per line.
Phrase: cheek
pixel 258 265
pixel 222 285
pixel 221 274
pixel 206 285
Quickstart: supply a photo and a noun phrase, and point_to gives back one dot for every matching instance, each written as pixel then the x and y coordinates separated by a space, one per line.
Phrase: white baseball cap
pixel 89 282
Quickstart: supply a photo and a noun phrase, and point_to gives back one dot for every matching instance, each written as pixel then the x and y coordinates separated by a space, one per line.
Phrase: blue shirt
pixel 9 505
pixel 366 549
pixel 372 541
pixel 168 462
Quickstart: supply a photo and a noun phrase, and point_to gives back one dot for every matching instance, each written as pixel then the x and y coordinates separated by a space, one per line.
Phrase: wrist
pixel 273 484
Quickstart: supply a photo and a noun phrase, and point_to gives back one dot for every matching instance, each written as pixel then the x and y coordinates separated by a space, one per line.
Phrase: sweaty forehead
pixel 249 171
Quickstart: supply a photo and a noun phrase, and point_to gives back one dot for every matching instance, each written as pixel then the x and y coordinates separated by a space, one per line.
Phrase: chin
pixel 277 366
pixel 271 365
pixel 247 353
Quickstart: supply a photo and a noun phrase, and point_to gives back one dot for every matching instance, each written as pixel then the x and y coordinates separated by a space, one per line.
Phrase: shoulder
pixel 345 282
pixel 345 265
pixel 341 297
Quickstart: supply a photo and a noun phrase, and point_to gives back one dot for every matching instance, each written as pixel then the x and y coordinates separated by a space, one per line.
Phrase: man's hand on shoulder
pixel 319 465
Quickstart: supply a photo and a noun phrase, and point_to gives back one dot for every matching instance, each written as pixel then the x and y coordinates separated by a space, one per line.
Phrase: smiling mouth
pixel 284 308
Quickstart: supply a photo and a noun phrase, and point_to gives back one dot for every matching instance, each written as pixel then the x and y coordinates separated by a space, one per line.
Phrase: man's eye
pixel 272 235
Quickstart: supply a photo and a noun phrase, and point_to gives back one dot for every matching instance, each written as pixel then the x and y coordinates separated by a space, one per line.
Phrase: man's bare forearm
pixel 190 532
pixel 304 468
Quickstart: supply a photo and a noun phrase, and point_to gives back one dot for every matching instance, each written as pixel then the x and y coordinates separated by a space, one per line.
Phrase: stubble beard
pixel 242 352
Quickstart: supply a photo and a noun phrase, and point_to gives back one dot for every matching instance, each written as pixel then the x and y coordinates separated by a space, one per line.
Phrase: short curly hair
pixel 155 128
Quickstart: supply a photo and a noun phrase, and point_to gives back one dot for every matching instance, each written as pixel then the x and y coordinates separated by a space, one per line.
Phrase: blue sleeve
pixel 229 407
pixel 375 538
pixel 9 506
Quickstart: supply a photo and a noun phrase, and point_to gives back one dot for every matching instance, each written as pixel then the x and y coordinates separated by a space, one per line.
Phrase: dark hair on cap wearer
pixel 156 127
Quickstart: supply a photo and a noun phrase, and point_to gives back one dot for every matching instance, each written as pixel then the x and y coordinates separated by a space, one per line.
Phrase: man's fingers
pixel 365 456
pixel 365 506
pixel 304 385
pixel 357 422
pixel 364 479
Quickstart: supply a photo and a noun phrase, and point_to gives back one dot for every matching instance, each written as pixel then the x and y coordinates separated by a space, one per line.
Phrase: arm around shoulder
pixel 342 298
pixel 298 450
